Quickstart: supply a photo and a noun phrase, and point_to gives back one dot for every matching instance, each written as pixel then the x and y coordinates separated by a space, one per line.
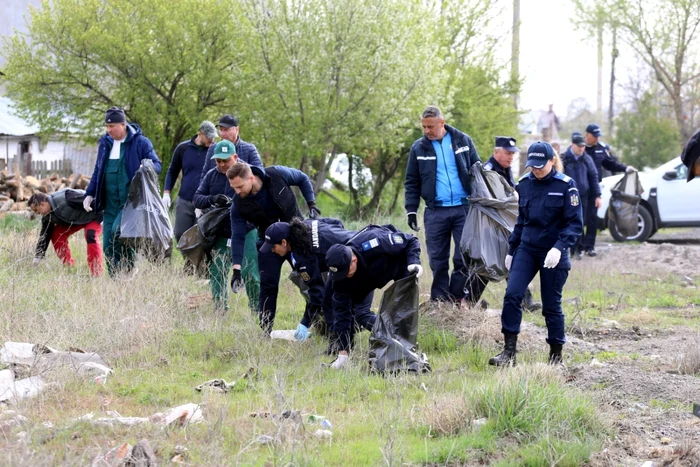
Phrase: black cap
pixel 274 235
pixel 594 130
pixel 115 115
pixel 227 121
pixel 578 139
pixel 338 259
pixel 507 143
pixel 538 154
pixel 690 153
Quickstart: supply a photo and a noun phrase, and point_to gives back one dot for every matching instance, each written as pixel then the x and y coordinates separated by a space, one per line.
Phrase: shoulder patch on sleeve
pixel 488 166
pixel 573 197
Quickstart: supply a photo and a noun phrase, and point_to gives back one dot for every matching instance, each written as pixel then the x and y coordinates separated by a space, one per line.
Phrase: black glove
pixel 314 212
pixel 413 222
pixel 219 200
pixel 236 281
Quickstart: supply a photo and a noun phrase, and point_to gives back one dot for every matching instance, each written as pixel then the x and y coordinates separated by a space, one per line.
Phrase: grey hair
pixel 208 129
pixel 432 112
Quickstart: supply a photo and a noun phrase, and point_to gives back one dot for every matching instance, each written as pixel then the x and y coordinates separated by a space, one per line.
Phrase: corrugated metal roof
pixel 12 125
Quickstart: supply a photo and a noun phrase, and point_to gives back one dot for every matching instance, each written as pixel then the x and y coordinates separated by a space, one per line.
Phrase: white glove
pixel 630 169
pixel 197 213
pixel 340 362
pixel 416 267
pixel 166 200
pixel 86 203
pixel 552 258
pixel 509 261
pixel 36 261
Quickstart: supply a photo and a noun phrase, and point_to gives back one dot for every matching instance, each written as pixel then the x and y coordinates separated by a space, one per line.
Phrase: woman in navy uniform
pixel 550 221
pixel 304 245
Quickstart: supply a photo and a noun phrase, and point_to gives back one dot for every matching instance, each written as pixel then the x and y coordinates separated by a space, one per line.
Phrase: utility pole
pixel 615 53
pixel 515 51
pixel 599 110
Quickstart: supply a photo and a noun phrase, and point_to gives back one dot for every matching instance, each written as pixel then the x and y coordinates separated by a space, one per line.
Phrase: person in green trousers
pixel 121 150
pixel 215 191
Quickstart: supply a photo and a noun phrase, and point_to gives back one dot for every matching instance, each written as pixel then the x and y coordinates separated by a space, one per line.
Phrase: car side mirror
pixel 670 175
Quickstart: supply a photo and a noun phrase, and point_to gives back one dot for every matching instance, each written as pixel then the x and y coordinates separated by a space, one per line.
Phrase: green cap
pixel 223 150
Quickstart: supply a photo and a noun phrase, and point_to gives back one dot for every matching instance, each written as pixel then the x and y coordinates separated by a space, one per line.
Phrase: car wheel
pixel 645 226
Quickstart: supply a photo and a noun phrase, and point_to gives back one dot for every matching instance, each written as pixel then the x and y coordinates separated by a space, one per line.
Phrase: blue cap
pixel 507 143
pixel 338 259
pixel 538 154
pixel 594 130
pixel 115 115
pixel 578 139
pixel 274 235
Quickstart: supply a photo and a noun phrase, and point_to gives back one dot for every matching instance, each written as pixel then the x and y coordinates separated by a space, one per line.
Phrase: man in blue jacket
pixel 438 171
pixel 579 166
pixel 121 150
pixel 263 197
pixel 228 130
pixel 189 157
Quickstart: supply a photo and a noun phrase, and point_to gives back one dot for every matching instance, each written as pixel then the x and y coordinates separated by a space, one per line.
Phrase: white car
pixel 668 201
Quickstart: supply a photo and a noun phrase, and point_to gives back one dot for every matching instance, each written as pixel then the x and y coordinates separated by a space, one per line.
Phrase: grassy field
pixel 161 346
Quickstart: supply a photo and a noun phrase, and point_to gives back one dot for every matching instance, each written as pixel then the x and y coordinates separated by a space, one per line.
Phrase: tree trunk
pixel 611 104
pixel 599 109
pixel 515 50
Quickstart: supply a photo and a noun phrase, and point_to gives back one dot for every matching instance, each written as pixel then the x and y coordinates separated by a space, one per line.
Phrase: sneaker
pixel 341 362
pixel 591 253
pixel 579 255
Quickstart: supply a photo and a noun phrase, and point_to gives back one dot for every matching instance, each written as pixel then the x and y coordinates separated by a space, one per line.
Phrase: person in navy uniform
pixel 438 171
pixel 549 223
pixel 603 159
pixel 579 166
pixel 500 162
pixel 263 197
pixel 304 245
pixel 368 261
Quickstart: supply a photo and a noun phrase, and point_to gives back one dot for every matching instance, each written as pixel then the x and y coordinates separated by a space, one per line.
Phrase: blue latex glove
pixel 301 333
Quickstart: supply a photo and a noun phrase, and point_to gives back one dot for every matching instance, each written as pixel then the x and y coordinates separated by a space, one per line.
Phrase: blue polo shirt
pixel 448 187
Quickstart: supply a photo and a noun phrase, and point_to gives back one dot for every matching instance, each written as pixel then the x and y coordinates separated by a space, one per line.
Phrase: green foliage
pixel 644 138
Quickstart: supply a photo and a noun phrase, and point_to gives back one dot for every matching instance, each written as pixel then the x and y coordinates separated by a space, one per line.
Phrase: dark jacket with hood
pixel 136 147
pixel 582 170
pixel 421 171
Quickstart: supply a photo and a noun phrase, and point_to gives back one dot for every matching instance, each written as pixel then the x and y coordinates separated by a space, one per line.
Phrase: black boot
pixel 529 303
pixel 507 356
pixel 555 354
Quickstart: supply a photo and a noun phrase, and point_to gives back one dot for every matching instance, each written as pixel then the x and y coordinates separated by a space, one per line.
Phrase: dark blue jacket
pixel 549 214
pixel 383 255
pixel 247 152
pixel 311 265
pixel 507 174
pixel 603 159
pixel 270 204
pixel 582 170
pixel 136 148
pixel 421 171
pixel 189 158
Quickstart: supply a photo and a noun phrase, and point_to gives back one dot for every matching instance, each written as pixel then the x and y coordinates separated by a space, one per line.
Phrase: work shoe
pixel 591 253
pixel 507 356
pixel 529 304
pixel 341 362
pixel 579 255
pixel 555 354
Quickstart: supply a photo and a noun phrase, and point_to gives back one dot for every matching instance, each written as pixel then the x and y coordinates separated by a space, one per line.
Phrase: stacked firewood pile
pixel 15 190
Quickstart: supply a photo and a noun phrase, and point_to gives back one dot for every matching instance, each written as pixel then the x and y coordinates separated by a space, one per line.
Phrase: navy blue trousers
pixel 525 265
pixel 590 222
pixel 270 267
pixel 443 224
pixel 345 324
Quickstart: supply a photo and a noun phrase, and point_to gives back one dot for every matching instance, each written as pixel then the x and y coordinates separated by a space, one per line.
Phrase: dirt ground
pixel 638 386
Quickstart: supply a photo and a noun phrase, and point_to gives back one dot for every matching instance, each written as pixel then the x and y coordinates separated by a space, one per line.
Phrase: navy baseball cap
pixel 594 130
pixel 274 235
pixel 227 121
pixel 538 154
pixel 338 259
pixel 578 139
pixel 507 143
pixel 691 153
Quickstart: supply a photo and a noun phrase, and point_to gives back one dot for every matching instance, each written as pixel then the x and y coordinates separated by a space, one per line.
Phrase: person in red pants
pixel 62 216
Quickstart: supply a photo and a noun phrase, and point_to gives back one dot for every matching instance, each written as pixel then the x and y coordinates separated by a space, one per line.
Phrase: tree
pixel 644 137
pixel 168 64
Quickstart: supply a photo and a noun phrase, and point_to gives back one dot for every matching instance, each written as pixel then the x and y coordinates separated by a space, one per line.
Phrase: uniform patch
pixel 305 276
pixel 368 245
pixel 575 199
pixel 398 239
pixel 462 149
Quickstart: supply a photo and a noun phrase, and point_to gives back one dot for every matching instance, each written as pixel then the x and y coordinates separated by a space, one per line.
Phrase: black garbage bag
pixel 145 224
pixel 624 204
pixel 493 212
pixel 394 337
pixel 191 245
pixel 212 224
